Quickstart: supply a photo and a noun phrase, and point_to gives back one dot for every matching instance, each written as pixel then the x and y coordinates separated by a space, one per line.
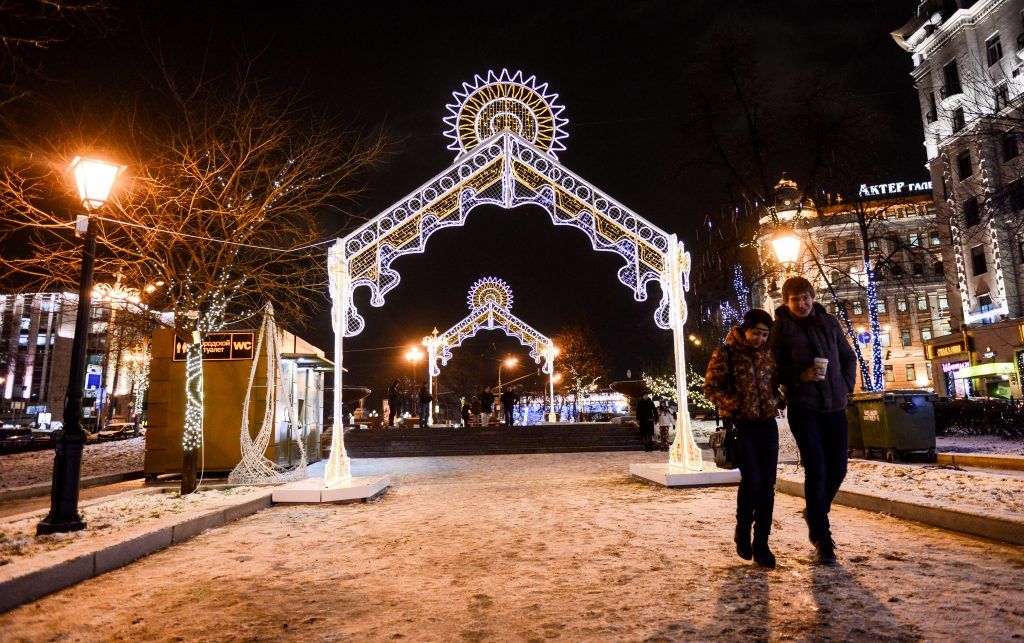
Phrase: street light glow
pixel 786 246
pixel 94 179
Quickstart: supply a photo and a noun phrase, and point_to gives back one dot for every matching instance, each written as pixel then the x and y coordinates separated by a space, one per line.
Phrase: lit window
pixel 926 333
pixel 985 302
pixel 935 238
pixel 889 377
pixel 884 340
pixel 901 304
pixel 905 339
pixel 911 373
pixel 880 306
pixel 922 302
pixel 943 301
pixel 858 307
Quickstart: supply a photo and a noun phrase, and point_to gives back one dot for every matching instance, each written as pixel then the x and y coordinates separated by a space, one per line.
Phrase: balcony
pixel 951 95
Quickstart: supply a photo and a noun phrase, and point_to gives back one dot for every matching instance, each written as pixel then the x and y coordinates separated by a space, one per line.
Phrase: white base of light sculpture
pixel 313 490
pixel 668 475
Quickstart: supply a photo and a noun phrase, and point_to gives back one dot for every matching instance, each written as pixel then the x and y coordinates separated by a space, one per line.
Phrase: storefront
pixel 948 355
pixel 980 361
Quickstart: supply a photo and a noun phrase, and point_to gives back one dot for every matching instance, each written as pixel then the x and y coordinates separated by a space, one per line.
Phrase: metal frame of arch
pixel 509 171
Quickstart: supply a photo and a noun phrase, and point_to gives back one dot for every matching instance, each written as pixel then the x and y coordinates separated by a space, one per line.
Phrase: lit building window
pixel 911 373
pixel 889 376
pixel 905 337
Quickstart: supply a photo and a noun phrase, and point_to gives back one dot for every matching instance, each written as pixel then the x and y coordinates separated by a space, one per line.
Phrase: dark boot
pixel 743 547
pixel 825 551
pixel 763 556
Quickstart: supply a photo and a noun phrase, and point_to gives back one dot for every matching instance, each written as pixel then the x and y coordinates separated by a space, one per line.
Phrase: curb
pixel 1003 529
pixel 36 584
pixel 19 493
pixel 987 460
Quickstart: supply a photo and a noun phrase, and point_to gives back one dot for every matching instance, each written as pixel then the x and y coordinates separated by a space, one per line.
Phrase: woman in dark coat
pixel 741 381
pixel 645 416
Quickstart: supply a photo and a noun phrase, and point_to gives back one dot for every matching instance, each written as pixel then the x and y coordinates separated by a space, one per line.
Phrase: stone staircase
pixel 495 440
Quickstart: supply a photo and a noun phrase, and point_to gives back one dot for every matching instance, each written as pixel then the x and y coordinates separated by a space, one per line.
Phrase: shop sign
pixel 954 366
pixel 899 187
pixel 219 347
pixel 945 350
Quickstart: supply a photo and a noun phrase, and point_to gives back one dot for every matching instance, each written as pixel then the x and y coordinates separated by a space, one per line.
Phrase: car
pixel 117 431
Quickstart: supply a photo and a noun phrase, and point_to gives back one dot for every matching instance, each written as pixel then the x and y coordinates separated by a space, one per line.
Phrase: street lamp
pixel 94 180
pixel 786 245
pixel 510 362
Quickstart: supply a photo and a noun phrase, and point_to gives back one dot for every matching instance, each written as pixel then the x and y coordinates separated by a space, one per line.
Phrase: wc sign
pixel 219 347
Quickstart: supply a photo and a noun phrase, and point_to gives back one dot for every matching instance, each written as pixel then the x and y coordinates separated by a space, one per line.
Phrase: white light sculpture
pixel 490 303
pixel 505 102
pixel 512 167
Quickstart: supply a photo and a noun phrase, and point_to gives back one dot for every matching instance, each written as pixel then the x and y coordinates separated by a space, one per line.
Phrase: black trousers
pixel 392 412
pixel 507 411
pixel 757 454
pixel 823 442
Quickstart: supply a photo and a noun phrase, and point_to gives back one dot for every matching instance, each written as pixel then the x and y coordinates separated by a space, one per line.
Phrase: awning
pixel 311 360
pixel 992 368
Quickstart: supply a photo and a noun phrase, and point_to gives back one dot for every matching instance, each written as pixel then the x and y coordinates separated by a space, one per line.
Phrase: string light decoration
pixel 255 467
pixel 490 303
pixel 505 102
pixel 514 166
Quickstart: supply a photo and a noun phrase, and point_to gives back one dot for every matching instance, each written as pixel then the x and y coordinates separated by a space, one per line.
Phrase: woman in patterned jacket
pixel 741 381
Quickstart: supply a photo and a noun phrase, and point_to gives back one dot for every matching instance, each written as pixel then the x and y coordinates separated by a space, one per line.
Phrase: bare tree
pixel 230 197
pixel 581 360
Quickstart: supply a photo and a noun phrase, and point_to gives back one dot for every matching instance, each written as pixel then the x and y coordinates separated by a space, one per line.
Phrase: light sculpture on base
pixel 507 129
pixel 490 304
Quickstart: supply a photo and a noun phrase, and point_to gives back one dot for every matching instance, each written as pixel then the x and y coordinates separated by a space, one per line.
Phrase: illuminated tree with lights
pixel 581 361
pixel 228 189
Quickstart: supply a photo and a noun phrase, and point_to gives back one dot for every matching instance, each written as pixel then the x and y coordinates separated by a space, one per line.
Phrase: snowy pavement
pixel 541 546
pixel 36 467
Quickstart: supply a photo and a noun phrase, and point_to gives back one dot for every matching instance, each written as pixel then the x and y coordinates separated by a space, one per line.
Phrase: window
pixel 918 269
pixel 972 216
pixel 1001 96
pixel 835 277
pixel 884 340
pixel 851 246
pixel 926 333
pixel 905 337
pixel 1010 149
pixel 978 264
pixel 880 306
pixel 915 240
pixel 951 75
pixel 994 48
pixel 922 302
pixel 985 302
pixel 934 238
pixel 938 269
pixel 943 301
pixel 901 304
pixel 958 120
pixel 1016 192
pixel 858 307
pixel 963 165
pixel 896 269
pixel 933 112
pixel 831 248
pixel 889 377
pixel 873 244
pixel 911 373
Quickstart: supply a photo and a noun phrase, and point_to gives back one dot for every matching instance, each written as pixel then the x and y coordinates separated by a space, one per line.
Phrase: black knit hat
pixel 756 316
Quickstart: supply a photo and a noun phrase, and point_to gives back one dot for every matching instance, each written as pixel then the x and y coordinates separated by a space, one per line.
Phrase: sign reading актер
pixel 900 187
pixel 219 347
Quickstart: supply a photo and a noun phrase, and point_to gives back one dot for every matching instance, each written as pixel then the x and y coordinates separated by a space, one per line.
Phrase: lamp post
pixel 786 245
pixel 510 362
pixel 413 355
pixel 94 180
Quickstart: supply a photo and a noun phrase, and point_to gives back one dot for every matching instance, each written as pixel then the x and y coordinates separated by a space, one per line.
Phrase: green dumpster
pixel 896 422
pixel 856 439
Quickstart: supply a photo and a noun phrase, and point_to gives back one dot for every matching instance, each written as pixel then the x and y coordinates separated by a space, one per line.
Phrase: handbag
pixel 723 443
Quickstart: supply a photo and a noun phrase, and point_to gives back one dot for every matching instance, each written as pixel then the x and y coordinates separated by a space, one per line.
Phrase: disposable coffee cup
pixel 821 366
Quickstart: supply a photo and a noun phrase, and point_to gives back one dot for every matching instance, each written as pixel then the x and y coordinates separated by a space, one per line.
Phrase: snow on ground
pixel 533 547
pixel 108 518
pixel 979 444
pixel 787 444
pixel 974 491
pixel 36 467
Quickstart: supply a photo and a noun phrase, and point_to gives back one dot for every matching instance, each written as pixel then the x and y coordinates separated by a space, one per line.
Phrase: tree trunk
pixel 192 438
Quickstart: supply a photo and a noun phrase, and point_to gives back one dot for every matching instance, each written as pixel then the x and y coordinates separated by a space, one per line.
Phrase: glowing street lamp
pixel 510 362
pixel 94 180
pixel 786 245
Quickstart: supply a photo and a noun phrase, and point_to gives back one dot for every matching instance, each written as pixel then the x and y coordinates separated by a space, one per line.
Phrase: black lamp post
pixel 94 179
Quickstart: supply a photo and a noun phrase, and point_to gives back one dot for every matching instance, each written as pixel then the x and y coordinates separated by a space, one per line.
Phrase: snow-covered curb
pixel 36 576
pixel 32 491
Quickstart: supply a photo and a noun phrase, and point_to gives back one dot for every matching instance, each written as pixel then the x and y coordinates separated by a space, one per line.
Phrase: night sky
pixel 624 71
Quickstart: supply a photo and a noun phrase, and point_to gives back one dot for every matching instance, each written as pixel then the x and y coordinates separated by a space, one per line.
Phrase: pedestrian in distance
pixel 474 407
pixel 466 410
pixel 424 399
pixel 394 399
pixel 486 406
pixel 666 419
pixel 818 371
pixel 742 382
pixel 508 403
pixel 645 416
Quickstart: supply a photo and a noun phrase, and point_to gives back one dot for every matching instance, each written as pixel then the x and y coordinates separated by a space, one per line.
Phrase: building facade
pixel 36 334
pixel 895 223
pixel 968 58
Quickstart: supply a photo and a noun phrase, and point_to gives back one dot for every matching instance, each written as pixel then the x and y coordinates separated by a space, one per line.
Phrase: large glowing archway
pixel 507 130
pixel 490 308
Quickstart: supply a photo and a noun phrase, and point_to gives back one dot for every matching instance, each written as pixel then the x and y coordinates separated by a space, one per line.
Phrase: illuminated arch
pixel 509 170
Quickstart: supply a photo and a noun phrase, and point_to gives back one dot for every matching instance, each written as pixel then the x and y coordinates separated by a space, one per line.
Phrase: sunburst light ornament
pixel 490 290
pixel 505 102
